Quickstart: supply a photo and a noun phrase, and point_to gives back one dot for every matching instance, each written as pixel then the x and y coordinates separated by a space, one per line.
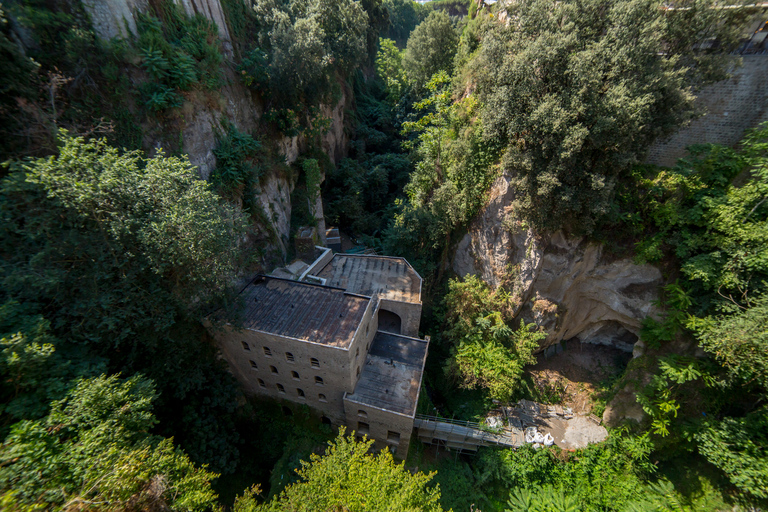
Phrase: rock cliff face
pixel 565 285
pixel 204 115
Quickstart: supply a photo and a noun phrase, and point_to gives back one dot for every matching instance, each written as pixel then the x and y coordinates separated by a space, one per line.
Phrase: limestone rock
pixel 114 18
pixel 623 407
pixel 564 284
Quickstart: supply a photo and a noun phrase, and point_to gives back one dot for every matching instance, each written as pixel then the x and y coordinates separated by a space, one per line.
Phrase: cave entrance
pixel 390 322
pixel 576 372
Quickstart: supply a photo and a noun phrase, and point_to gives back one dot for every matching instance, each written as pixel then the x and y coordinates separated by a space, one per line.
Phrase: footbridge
pixel 463 435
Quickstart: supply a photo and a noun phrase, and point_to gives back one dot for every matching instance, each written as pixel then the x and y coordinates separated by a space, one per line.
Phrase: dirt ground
pixel 576 373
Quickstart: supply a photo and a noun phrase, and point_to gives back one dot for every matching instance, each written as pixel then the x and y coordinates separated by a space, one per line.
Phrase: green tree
pixel 739 447
pixel 121 255
pixel 389 68
pixel 404 16
pixel 578 91
pixel 348 477
pixel 739 341
pixel 307 43
pixel 431 48
pixel 93 451
pixel 486 352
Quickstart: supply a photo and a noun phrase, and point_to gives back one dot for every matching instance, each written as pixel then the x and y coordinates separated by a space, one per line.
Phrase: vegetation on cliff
pixel 112 397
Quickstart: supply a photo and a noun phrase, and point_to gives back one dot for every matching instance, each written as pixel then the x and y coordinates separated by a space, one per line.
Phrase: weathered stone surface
pixel 212 10
pixel 730 107
pixel 114 18
pixel 335 142
pixel 623 407
pixel 117 18
pixel 203 116
pixel 563 284
pixel 274 197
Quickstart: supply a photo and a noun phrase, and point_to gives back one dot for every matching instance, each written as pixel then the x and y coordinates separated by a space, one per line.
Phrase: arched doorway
pixel 390 322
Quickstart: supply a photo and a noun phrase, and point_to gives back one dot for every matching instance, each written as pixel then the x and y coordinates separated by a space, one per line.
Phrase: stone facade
pixel 321 346
pixel 389 429
pixel 729 107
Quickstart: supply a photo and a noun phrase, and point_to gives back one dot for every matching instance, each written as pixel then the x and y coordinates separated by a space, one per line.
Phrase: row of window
pixel 313 361
pixel 294 375
pixel 299 392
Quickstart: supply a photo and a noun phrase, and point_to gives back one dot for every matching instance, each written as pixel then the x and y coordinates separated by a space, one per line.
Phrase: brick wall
pixel 732 106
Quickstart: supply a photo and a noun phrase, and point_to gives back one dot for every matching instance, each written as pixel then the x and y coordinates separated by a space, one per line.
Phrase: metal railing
pixel 437 419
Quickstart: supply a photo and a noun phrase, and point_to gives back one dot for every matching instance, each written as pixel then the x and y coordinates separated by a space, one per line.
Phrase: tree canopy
pixel 577 91
pixel 348 477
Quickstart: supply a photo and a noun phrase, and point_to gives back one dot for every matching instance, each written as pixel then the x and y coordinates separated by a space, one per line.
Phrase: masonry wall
pixel 333 368
pixel 732 106
pixel 361 343
pixel 380 424
pixel 409 313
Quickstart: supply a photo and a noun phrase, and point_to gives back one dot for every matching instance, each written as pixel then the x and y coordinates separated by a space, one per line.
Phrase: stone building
pixel 341 339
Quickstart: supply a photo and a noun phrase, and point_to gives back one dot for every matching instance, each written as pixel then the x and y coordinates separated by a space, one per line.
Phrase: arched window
pixel 358 372
pixel 267 352
pixel 245 346
pixel 314 363
pixel 300 392
pixel 357 351
pixel 321 397
pixel 280 388
pixel 289 357
pixel 319 381
pixel 253 364
pixel 295 375
pixel 362 414
pixel 261 384
pixel 274 370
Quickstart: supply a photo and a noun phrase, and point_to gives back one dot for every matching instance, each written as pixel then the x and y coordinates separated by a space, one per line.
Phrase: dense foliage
pixel 112 397
pixel 348 477
pixel 93 450
pixel 108 259
pixel 577 91
pixel 487 351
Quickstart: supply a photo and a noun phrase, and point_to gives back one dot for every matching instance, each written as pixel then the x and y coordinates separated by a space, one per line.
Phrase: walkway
pixel 463 435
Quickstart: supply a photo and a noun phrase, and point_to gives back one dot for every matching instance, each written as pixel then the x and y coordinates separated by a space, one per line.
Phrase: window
pixel 300 392
pixel 245 346
pixel 267 352
pixel 274 370
pixel 319 381
pixel 280 388
pixel 393 437
pixel 295 376
pixel 363 428
pixel 289 357
pixel 358 372
pixel 321 397
pixel 253 364
pixel 261 384
pixel 357 351
pixel 314 363
pixel 362 414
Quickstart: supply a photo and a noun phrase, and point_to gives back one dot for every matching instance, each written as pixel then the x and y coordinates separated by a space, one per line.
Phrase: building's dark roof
pixel 383 276
pixel 303 311
pixel 391 377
